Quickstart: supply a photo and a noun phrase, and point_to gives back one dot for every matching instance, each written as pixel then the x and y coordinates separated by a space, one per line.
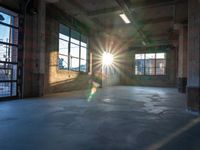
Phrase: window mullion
pixel 87 60
pixel 69 49
pixel 144 63
pixel 155 65
pixel 79 52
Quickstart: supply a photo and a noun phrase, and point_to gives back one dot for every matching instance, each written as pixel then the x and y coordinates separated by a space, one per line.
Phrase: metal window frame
pixel 155 68
pixel 69 51
pixel 11 13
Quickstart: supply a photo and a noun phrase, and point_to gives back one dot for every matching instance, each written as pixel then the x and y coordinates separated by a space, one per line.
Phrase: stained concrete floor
pixel 118 118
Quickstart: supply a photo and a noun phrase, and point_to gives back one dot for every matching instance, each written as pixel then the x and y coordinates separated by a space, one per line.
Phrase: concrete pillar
pixel 39 48
pixel 193 84
pixel 41 44
pixel 182 59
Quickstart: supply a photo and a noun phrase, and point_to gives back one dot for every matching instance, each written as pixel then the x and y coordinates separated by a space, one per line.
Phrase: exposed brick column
pixel 41 44
pixel 193 85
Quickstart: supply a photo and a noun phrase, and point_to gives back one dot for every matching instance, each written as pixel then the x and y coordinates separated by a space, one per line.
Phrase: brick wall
pixel 59 80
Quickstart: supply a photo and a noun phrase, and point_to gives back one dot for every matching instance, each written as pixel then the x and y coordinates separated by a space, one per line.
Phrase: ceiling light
pixel 125 18
pixel 144 43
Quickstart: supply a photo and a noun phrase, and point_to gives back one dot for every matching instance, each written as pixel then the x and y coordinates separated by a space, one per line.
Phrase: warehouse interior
pixel 99 74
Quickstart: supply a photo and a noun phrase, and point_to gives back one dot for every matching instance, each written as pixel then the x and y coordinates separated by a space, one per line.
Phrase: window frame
pixel 155 62
pixel 80 46
pixel 10 62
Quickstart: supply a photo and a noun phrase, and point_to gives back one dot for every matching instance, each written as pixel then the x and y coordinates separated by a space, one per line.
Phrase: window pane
pixel 150 63
pixel 160 55
pixel 150 56
pixel 8 53
pixel 83 66
pixel 83 44
pixel 75 37
pixel 14 89
pixel 9 19
pixel 64 37
pixel 83 41
pixel 149 71
pixel 160 66
pixel 63 47
pixel 14 72
pixel 5 72
pixel 63 62
pixel 74 50
pixel 83 53
pixel 139 64
pixel 74 64
pixel 160 63
pixel 6 18
pixel 160 71
pixel 5 89
pixel 64 30
pixel 139 56
pixel 139 70
pixel 8 34
pixel 75 41
pixel 8 71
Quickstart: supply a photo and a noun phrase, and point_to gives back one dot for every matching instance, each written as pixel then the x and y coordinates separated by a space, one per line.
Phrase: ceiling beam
pixel 105 11
pixel 152 4
pixel 78 6
pixel 80 15
pixel 156 43
pixel 115 10
pixel 142 23
pixel 124 6
pixel 157 20
pixel 159 35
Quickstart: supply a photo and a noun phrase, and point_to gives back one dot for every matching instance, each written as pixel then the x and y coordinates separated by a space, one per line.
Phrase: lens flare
pixel 107 59
pixel 93 90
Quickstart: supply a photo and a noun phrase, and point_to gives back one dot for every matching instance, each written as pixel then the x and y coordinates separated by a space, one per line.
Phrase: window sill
pixel 73 71
pixel 152 75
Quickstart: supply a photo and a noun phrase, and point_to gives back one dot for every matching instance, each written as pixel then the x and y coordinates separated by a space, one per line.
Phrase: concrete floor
pixel 121 117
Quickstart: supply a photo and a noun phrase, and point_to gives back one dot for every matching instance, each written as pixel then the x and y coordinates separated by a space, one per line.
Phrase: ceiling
pixel 150 20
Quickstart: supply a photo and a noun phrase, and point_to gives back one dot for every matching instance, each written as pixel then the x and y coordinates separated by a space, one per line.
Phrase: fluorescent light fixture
pixel 144 43
pixel 125 18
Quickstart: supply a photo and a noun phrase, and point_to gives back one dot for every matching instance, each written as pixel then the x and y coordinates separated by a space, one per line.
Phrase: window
pixel 150 64
pixel 72 50
pixel 8 52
